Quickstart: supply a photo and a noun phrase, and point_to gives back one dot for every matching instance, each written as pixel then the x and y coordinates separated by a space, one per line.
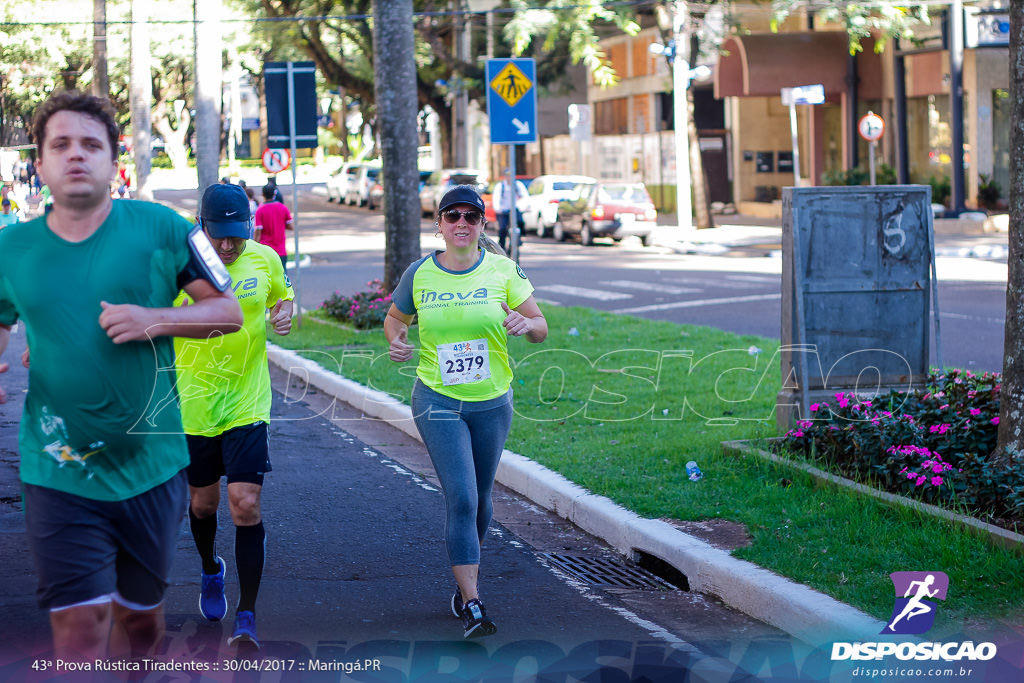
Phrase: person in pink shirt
pixel 272 220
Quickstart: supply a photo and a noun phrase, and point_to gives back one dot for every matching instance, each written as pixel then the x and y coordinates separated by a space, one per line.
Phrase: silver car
pixel 439 182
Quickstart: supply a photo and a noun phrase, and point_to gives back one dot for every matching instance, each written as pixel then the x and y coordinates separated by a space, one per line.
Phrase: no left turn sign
pixel 276 160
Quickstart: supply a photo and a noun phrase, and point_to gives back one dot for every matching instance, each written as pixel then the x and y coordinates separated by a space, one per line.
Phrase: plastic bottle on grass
pixel 693 472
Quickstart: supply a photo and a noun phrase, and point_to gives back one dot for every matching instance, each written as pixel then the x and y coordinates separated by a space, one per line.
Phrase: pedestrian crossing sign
pixel 511 84
pixel 512 100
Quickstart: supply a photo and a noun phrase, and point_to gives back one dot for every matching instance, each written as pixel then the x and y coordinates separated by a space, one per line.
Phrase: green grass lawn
pixel 620 407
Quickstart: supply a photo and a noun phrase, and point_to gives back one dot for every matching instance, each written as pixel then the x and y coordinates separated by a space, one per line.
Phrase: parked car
pixel 424 177
pixel 338 182
pixel 359 185
pixel 440 181
pixel 375 199
pixel 540 207
pixel 613 210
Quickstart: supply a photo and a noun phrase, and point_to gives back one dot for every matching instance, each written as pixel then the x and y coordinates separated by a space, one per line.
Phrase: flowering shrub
pixel 932 444
pixel 365 310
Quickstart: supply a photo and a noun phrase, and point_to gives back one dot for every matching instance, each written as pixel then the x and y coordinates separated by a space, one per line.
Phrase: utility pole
pixel 208 87
pixel 141 93
pixel 100 80
pixel 680 83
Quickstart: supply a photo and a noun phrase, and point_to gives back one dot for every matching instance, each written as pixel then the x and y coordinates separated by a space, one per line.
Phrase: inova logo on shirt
pixel 428 296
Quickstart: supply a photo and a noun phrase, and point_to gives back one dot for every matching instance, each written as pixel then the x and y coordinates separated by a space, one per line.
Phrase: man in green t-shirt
pixel 224 386
pixel 94 281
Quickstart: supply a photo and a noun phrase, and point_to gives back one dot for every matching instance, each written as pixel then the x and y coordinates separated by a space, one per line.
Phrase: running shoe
pixel 475 621
pixel 212 603
pixel 245 629
pixel 457 603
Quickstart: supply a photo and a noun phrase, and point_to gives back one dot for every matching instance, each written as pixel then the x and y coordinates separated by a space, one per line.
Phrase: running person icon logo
pixel 913 612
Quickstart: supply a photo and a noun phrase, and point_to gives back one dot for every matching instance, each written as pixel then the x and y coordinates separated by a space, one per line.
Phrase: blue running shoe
pixel 212 603
pixel 245 629
pixel 475 621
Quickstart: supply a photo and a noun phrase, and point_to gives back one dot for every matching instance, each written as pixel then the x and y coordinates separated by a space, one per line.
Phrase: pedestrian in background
pixel 504 201
pixel 273 219
pixel 102 467
pixel 7 215
pixel 251 196
pixel 462 400
pixel 224 385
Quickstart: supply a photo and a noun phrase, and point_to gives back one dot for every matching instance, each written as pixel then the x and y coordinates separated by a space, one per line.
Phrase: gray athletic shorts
pixel 88 550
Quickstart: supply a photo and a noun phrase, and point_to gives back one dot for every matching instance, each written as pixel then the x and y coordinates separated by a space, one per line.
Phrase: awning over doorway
pixel 761 64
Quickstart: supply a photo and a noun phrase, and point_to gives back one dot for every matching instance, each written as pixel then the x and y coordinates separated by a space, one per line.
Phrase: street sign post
pixel 291 119
pixel 801 94
pixel 512 109
pixel 512 100
pixel 871 126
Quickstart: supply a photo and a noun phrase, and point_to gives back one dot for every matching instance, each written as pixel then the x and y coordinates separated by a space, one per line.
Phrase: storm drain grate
pixel 607 573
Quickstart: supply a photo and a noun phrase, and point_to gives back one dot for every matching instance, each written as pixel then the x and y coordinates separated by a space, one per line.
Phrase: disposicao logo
pixel 912 614
pixel 914 611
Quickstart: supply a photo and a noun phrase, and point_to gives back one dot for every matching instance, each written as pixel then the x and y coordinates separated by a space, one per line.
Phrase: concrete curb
pixel 813 617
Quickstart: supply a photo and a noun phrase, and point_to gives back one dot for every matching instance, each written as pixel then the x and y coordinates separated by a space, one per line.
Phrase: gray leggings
pixel 464 440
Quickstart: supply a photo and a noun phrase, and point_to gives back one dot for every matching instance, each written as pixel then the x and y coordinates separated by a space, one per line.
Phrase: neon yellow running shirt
pixel 456 308
pixel 224 382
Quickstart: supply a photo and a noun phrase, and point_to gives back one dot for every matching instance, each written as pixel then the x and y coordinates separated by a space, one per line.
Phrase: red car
pixel 613 210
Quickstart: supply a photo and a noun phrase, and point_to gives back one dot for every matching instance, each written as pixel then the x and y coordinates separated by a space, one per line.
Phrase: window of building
pixel 611 117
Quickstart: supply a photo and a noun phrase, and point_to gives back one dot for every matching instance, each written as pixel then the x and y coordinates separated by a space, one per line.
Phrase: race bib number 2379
pixel 464 362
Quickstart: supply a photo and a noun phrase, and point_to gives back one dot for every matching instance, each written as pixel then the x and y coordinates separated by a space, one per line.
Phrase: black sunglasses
pixel 472 217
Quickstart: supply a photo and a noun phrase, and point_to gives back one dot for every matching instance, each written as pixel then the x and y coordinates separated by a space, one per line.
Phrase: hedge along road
pixel 737 289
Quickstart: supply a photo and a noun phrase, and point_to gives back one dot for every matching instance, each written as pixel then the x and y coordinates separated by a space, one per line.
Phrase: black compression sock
pixel 250 550
pixel 204 533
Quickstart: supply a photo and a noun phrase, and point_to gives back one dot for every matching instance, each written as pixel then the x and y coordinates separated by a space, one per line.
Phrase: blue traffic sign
pixel 512 100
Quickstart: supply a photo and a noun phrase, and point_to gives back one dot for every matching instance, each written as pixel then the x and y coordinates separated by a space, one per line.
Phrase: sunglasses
pixel 453 215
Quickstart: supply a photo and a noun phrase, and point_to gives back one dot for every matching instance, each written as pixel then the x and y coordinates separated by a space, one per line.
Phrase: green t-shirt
pixel 224 382
pixel 100 419
pixel 460 317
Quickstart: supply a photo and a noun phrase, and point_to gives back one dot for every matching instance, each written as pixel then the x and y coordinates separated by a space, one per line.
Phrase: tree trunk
pixel 141 96
pixel 208 72
pixel 100 80
pixel 1010 443
pixel 395 91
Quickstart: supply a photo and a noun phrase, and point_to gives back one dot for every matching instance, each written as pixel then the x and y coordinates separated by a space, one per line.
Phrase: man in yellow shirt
pixel 224 384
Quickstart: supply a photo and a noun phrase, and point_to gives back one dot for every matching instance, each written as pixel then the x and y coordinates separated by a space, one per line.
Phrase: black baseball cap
pixel 461 194
pixel 225 212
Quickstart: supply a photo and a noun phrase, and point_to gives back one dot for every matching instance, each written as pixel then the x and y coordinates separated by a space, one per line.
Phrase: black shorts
pixel 88 550
pixel 241 454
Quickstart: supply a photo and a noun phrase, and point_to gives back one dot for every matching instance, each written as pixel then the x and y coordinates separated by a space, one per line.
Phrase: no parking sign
pixel 276 160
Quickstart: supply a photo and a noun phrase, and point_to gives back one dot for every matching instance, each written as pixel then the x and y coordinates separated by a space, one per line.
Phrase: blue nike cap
pixel 225 212
pixel 461 194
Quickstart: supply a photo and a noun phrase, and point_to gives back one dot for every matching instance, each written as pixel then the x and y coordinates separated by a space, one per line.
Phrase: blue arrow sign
pixel 512 100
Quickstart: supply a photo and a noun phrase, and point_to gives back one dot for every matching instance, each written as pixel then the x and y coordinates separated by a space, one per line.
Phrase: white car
pixel 540 207
pixel 359 185
pixel 338 182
